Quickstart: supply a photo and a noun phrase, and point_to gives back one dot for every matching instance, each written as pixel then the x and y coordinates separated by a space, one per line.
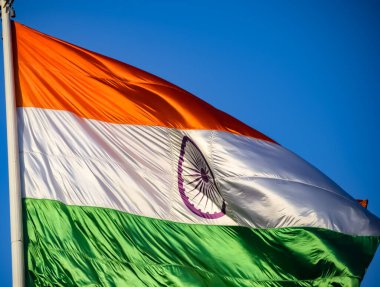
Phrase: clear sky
pixel 306 73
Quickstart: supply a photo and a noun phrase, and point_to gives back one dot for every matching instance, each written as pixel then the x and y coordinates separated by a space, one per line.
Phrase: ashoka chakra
pixel 196 183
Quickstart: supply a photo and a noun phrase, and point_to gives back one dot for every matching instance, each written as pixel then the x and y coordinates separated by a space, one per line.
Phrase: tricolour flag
pixel 129 180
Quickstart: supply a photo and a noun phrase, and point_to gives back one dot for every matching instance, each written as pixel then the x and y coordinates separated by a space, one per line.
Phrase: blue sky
pixel 306 73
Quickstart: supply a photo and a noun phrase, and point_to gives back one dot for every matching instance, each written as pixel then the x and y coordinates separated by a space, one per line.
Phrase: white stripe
pixel 135 169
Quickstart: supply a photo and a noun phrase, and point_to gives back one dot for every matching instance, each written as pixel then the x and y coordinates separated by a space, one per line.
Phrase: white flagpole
pixel 13 151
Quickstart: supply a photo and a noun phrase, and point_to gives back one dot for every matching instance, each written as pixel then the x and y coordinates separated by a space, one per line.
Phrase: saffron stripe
pixel 53 74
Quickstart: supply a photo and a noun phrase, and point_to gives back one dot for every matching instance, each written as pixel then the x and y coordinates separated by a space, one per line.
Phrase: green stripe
pixel 90 246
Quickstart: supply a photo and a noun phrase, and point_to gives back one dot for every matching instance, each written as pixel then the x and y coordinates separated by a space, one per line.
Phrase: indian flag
pixel 129 180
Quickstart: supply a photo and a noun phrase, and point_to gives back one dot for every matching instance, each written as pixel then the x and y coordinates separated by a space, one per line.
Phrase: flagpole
pixel 13 151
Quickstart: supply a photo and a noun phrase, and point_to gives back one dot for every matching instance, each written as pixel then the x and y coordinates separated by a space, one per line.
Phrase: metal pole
pixel 13 151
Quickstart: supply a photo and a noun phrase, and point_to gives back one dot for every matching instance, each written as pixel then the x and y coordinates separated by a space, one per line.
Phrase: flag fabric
pixel 363 202
pixel 128 180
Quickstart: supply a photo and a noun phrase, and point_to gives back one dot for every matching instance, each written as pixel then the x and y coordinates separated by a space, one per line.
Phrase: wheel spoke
pixel 195 177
